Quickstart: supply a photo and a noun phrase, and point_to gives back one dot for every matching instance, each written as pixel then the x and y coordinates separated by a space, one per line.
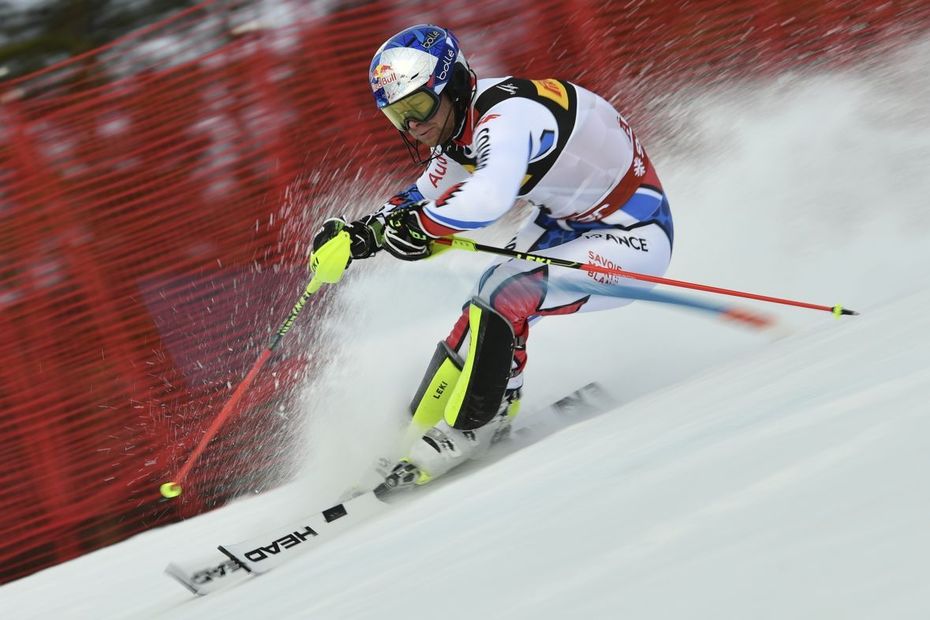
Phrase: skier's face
pixel 438 129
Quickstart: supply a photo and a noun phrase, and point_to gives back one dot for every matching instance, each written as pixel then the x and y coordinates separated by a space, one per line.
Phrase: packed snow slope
pixel 747 475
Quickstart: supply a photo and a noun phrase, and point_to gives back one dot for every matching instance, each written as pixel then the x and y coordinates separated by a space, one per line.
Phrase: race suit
pixel 594 194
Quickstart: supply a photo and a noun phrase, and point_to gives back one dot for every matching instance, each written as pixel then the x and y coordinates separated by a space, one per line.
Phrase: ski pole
pixel 173 488
pixel 328 268
pixel 472 246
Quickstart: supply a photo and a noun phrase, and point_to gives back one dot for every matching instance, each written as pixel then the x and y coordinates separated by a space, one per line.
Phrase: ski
pixel 259 554
pixel 580 405
pixel 207 574
pixel 262 553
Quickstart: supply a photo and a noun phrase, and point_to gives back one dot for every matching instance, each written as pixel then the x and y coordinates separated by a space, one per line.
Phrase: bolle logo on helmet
pixel 431 38
pixel 446 64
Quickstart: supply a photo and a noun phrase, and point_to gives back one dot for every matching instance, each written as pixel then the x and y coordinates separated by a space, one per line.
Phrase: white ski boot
pixel 443 448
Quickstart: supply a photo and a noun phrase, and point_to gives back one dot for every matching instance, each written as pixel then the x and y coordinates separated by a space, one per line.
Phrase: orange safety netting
pixel 148 247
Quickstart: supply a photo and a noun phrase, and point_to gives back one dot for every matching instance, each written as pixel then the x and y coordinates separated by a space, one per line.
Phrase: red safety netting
pixel 148 247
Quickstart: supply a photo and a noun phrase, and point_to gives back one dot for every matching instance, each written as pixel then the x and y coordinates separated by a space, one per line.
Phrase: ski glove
pixel 337 242
pixel 404 237
pixel 364 233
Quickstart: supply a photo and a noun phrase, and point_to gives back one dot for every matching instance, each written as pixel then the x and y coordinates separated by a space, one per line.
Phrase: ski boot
pixel 443 448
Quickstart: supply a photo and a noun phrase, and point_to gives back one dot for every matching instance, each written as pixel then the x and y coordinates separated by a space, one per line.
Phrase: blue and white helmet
pixel 420 58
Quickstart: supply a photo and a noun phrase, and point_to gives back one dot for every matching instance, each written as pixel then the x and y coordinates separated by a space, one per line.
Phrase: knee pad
pixel 477 395
pixel 440 379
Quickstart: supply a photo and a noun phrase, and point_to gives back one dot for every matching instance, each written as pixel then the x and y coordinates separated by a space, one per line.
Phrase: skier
pixel 595 198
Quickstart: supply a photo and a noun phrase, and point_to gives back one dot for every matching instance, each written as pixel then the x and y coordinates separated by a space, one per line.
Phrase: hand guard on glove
pixel 404 236
pixel 364 234
pixel 337 242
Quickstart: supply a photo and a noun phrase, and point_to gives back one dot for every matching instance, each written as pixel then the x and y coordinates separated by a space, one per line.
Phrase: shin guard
pixel 477 395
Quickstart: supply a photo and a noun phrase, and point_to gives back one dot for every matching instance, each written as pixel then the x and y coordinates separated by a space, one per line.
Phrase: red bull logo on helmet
pixel 382 76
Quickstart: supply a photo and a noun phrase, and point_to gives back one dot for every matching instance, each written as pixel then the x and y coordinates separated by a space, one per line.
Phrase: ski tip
pixel 178 574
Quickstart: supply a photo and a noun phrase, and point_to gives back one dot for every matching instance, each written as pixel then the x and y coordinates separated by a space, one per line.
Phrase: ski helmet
pixel 410 71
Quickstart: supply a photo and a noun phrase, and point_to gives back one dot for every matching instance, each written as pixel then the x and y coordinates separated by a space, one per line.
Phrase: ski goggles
pixel 420 105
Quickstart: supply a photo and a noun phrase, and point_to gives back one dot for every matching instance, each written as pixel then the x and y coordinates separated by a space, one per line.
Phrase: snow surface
pixel 747 475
